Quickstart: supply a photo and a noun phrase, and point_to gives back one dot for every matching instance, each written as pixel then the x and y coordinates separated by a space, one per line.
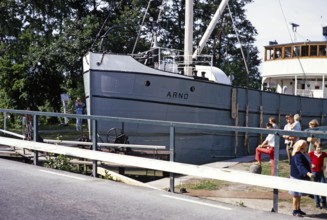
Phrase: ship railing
pixel 170 60
pixel 179 64
pixel 304 92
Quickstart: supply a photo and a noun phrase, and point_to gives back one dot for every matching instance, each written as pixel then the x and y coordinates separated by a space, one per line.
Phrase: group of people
pixel 306 158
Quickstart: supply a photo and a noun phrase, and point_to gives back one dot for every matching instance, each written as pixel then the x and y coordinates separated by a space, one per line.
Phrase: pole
pixel 172 157
pixel 276 171
pixel 94 147
pixel 35 139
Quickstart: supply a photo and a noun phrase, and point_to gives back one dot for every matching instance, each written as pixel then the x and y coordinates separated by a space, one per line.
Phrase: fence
pixel 273 182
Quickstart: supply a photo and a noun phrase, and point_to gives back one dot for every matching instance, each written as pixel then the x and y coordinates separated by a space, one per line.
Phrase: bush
pixel 60 162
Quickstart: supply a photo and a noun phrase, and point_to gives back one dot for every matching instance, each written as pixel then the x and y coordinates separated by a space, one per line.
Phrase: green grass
pixel 210 184
pixel 203 184
pixel 284 168
pixel 56 131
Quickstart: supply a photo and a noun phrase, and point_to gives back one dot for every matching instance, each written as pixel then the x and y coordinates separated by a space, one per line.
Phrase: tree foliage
pixel 42 42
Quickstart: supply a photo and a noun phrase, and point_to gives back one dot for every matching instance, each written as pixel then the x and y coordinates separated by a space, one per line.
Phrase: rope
pixel 138 35
pixel 161 7
pixel 98 34
pixel 289 33
pixel 238 39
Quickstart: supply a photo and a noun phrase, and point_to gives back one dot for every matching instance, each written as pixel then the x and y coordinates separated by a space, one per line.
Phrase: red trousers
pixel 266 150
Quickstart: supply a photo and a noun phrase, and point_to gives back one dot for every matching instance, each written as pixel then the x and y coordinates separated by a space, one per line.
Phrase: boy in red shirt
pixel 317 160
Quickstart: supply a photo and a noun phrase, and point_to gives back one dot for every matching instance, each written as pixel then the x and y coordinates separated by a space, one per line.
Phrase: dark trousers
pixel 289 149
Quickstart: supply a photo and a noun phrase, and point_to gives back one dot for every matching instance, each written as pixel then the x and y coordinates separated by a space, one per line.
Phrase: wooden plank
pixel 154 147
pixel 12 133
pixel 175 167
pixel 121 178
pixel 5 153
pixel 24 152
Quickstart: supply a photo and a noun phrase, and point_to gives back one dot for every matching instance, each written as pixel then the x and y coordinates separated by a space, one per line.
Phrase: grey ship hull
pixel 116 87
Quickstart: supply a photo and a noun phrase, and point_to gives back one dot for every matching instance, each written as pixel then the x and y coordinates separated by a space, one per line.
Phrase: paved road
pixel 35 193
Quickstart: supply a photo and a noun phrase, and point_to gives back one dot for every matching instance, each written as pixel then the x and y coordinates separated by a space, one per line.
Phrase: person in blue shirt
pixel 301 170
pixel 79 107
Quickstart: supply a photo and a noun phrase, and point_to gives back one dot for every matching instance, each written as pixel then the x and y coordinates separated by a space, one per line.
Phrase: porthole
pixel 192 89
pixel 147 83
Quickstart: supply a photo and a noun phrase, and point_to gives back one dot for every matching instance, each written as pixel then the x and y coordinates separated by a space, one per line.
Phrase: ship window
pixel 296 51
pixel 313 50
pixel 192 89
pixel 287 52
pixel 269 54
pixel 278 53
pixel 322 50
pixel 147 83
pixel 303 86
pixel 304 51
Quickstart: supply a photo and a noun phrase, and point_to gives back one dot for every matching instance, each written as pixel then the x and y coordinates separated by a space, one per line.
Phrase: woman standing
pixel 300 169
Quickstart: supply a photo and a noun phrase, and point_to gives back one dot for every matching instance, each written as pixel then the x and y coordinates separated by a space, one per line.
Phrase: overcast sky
pixel 267 16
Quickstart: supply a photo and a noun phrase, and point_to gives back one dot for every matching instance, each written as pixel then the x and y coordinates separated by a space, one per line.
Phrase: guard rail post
pixel 172 156
pixel 276 171
pixel 35 135
pixel 5 121
pixel 94 146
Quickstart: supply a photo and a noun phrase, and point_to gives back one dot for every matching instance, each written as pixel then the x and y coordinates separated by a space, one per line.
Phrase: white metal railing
pixel 203 171
pixel 85 143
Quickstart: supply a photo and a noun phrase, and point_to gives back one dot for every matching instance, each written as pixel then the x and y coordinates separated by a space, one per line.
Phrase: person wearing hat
pixel 301 170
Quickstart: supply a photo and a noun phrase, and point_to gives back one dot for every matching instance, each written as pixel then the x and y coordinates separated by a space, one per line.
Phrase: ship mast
pixel 188 38
pixel 210 28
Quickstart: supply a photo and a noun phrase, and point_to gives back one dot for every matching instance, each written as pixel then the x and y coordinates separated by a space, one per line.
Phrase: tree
pixel 222 44
pixel 42 42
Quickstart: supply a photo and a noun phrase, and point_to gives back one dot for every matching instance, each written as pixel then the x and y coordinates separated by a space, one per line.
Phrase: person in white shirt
pixel 267 147
pixel 289 140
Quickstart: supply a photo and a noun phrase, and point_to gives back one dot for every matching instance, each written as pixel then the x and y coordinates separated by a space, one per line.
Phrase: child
pixel 317 160
pixel 312 124
pixel 296 125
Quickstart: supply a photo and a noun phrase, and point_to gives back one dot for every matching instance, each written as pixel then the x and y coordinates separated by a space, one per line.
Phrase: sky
pixel 272 20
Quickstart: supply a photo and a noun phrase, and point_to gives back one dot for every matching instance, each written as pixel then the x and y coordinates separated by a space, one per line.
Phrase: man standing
pixel 27 122
pixel 289 140
pixel 79 106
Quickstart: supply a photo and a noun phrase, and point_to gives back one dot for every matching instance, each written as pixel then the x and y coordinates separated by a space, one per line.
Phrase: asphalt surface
pixel 31 192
